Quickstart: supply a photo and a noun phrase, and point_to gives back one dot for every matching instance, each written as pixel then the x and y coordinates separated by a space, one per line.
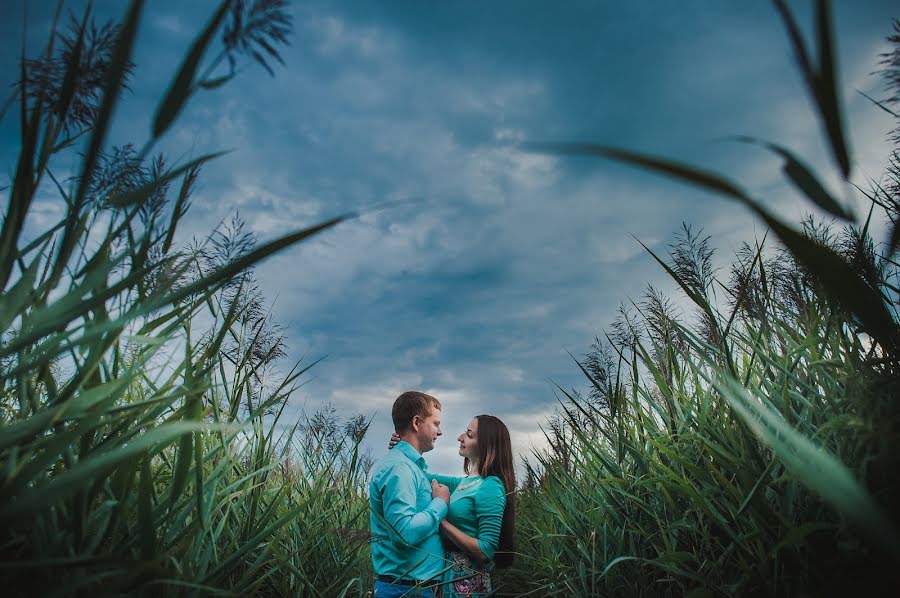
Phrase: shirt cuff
pixel 439 507
pixel 486 550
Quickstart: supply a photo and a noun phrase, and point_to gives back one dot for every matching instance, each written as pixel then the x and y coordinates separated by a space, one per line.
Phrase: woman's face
pixel 468 441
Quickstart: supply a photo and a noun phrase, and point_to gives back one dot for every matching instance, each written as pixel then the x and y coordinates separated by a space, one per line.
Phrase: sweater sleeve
pixel 489 504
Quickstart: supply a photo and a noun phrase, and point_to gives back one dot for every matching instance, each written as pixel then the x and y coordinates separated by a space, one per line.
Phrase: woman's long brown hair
pixel 495 458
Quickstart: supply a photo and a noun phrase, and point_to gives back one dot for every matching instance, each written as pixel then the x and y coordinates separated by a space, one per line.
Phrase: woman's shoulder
pixel 493 485
pixel 491 495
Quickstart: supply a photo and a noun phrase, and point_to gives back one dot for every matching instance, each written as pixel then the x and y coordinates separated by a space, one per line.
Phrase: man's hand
pixel 440 491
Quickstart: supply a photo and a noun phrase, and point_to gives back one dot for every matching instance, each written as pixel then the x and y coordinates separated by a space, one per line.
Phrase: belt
pixel 407 582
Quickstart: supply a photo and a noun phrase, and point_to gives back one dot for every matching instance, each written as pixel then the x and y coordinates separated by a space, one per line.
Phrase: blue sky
pixel 507 260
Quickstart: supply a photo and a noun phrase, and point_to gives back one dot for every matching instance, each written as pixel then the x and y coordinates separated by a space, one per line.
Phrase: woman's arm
pixel 448 480
pixel 490 502
pixel 463 541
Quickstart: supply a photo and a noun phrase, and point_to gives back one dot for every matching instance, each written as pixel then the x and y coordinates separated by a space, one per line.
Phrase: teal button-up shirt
pixel 404 518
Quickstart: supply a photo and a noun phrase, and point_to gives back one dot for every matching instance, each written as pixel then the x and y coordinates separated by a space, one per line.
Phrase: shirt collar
pixel 411 453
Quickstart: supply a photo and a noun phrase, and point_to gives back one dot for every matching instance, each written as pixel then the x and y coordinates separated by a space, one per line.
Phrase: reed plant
pixel 142 446
pixel 751 447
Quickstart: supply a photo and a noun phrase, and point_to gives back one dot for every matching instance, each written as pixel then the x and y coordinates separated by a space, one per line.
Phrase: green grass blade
pixel 696 176
pixel 145 509
pixel 75 479
pixel 239 265
pixel 815 466
pixel 841 281
pixel 827 88
pixel 804 179
pixel 180 88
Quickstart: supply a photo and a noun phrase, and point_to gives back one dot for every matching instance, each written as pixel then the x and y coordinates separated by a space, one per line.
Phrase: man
pixel 405 508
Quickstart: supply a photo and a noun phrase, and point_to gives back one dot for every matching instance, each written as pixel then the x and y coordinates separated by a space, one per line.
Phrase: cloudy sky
pixel 505 260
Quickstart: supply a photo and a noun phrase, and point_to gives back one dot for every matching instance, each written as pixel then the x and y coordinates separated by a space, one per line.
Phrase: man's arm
pixel 399 500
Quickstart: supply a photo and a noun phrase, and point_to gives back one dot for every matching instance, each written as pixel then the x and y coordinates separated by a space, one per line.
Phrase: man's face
pixel 429 430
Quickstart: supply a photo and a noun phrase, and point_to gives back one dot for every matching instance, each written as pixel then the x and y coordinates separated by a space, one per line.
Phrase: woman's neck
pixel 473 468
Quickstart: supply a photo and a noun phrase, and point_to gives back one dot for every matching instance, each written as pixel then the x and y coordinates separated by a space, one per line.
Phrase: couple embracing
pixel 437 535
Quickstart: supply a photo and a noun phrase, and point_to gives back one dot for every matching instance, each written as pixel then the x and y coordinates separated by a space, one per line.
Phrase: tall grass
pixel 761 461
pixel 752 447
pixel 139 411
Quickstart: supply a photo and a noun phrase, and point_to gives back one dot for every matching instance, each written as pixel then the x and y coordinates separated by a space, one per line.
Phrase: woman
pixel 479 525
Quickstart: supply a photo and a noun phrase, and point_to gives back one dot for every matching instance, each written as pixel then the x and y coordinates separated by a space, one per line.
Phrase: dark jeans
pixel 391 590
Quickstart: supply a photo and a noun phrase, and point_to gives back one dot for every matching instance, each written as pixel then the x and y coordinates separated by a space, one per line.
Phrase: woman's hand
pixel 395 438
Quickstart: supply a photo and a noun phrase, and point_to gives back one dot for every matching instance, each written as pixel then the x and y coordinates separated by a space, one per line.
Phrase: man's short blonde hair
pixel 410 404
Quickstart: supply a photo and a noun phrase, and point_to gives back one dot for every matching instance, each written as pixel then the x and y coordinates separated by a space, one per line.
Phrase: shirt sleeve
pixel 448 480
pixel 489 504
pixel 399 499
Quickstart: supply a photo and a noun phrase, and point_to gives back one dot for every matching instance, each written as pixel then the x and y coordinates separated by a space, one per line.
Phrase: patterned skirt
pixel 465 578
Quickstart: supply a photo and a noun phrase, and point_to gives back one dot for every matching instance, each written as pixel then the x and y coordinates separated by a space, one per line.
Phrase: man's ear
pixel 414 424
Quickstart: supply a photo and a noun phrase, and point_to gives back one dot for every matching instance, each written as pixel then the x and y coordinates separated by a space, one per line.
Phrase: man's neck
pixel 411 440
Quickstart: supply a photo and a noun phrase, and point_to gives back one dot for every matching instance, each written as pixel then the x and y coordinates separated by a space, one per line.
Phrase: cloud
pixel 504 260
pixel 335 38
pixel 170 25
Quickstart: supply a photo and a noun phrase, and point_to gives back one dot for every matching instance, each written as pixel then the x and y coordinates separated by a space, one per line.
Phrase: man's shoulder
pixel 392 463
